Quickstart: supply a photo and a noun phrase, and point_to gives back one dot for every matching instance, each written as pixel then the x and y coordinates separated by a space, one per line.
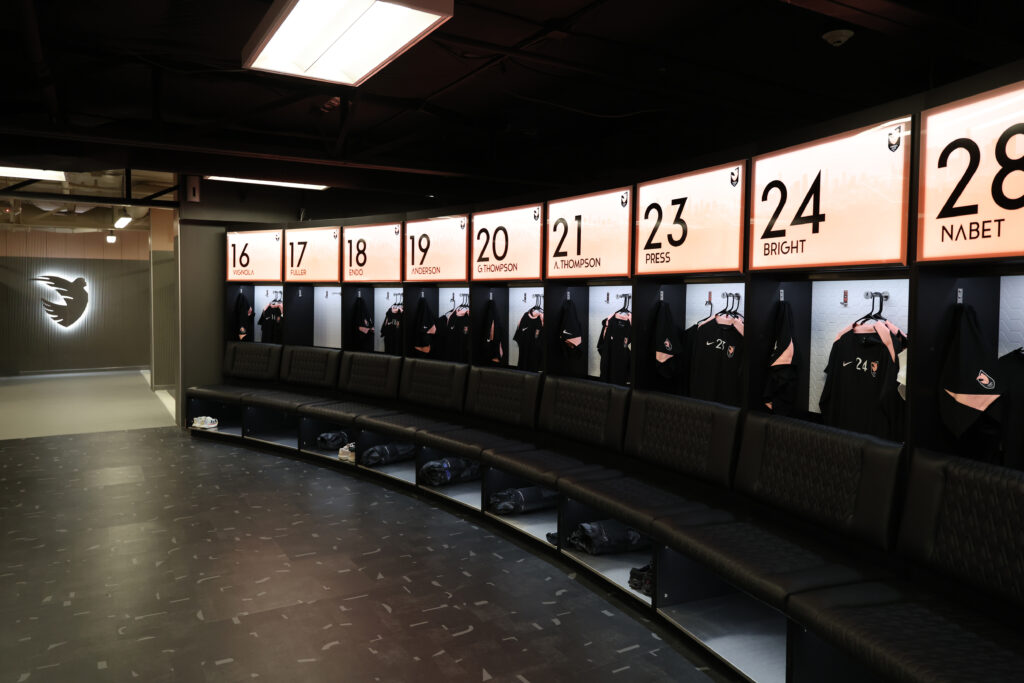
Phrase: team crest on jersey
pixel 731 351
pixel 985 380
pixel 668 345
pixel 895 136
pixel 874 368
pixel 625 342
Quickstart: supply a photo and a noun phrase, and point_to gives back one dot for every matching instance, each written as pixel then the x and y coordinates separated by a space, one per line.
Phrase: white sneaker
pixel 204 422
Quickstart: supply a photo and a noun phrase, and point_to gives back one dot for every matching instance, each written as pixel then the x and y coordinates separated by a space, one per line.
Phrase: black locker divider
pixel 646 296
pixel 480 297
pixel 763 298
pixel 559 360
pixel 414 294
pixel 234 317
pixel 349 333
pixel 298 315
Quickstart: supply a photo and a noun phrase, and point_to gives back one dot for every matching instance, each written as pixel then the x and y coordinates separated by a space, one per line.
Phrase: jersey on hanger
pixel 780 386
pixel 529 335
pixel 716 364
pixel 614 345
pixel 391 330
pixel 362 324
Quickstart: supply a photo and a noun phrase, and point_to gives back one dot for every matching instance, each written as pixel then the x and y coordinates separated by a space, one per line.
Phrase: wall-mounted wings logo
pixel 75 299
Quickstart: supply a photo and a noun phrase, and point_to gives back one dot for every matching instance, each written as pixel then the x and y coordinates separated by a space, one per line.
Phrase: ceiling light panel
pixel 31 173
pixel 340 41
pixel 275 183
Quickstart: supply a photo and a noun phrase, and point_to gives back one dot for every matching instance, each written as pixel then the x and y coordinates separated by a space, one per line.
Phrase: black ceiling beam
pixel 21 185
pixel 160 193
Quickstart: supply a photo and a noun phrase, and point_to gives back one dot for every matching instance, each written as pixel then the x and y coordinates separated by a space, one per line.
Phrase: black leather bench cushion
pixel 403 425
pixel 685 435
pixel 586 411
pixel 840 480
pixel 224 393
pixel 770 564
pixel 628 500
pixel 470 442
pixel 310 366
pixel 284 400
pixel 434 384
pixel 370 374
pixel 342 412
pixel 966 519
pixel 245 360
pixel 507 396
pixel 543 467
pixel 912 637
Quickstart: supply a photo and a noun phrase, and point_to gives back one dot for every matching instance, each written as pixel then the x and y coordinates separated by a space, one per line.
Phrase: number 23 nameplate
pixel 972 177
pixel 833 202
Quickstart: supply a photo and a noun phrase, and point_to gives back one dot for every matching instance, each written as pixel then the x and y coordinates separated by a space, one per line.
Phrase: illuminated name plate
pixel 435 249
pixel 588 236
pixel 372 253
pixel 691 223
pixel 834 202
pixel 254 256
pixel 312 255
pixel 971 202
pixel 506 244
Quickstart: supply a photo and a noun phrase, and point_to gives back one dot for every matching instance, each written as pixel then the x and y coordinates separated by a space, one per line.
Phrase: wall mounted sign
pixel 73 294
pixel 372 253
pixel 971 194
pixel 833 202
pixel 691 223
pixel 435 249
pixel 589 235
pixel 312 255
pixel 254 256
pixel 507 244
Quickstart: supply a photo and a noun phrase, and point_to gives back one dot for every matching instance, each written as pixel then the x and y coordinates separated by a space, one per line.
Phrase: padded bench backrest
pixel 508 396
pixel 837 479
pixel 247 360
pixel 370 374
pixel 584 410
pixel 691 437
pixel 966 519
pixel 310 366
pixel 433 384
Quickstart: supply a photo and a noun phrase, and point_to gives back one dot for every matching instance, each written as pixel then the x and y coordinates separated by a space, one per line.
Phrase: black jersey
pixel 424 330
pixel 967 384
pixel 457 337
pixel 1011 408
pixel 242 319
pixel 391 330
pixel 362 326
pixel 667 352
pixel 614 345
pixel 529 335
pixel 271 323
pixel 716 361
pixel 780 385
pixel 570 341
pixel 860 392
pixel 493 348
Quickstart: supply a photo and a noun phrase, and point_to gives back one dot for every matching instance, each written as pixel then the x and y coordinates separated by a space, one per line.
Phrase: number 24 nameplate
pixel 833 202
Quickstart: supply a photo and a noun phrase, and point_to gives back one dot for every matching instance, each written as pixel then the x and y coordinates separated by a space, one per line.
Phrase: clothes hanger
pixel 871 314
pixel 625 303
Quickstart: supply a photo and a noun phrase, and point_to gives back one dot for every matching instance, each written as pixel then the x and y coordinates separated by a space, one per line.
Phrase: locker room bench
pixel 247 368
pixel 957 616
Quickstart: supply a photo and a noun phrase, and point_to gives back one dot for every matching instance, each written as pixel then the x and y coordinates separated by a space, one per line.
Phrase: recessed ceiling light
pixel 31 173
pixel 122 221
pixel 276 183
pixel 341 41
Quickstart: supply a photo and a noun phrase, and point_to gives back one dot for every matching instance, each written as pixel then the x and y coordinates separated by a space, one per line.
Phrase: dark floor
pixel 148 555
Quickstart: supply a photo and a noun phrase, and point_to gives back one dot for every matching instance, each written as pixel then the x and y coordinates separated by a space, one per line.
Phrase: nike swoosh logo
pixel 849 362
pixel 708 343
pixel 567 332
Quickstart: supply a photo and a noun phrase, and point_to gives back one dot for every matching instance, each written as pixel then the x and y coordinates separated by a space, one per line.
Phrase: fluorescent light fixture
pixel 275 183
pixel 122 221
pixel 31 173
pixel 111 237
pixel 340 41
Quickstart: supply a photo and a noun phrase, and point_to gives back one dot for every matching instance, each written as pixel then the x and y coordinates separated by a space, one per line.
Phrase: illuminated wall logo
pixel 76 299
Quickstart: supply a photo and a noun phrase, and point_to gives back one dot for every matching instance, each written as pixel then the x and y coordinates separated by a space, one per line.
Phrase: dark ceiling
pixel 506 99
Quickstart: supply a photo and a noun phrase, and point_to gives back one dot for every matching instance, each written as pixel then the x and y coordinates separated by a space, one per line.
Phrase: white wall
pixel 1011 313
pixel 327 316
pixel 697 297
